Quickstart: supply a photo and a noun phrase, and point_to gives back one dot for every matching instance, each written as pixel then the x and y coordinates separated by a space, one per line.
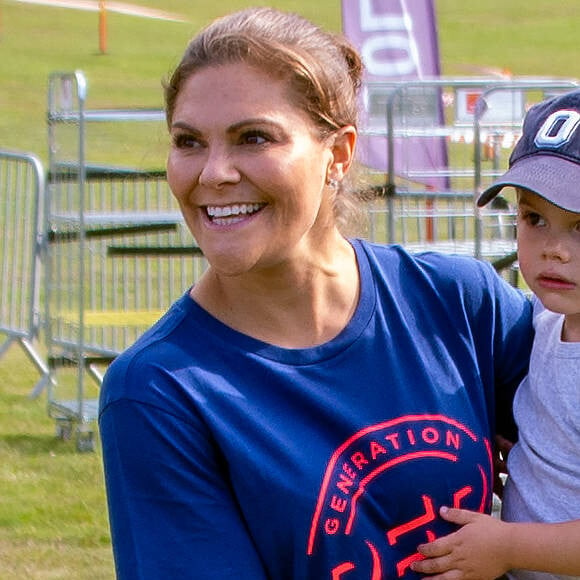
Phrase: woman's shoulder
pixel 430 263
pixel 452 281
pixel 151 350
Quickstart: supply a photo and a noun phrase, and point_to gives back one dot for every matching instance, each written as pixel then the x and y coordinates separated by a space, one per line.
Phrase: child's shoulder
pixel 546 322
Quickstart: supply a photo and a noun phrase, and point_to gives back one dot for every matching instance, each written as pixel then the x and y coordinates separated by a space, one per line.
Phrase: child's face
pixel 549 252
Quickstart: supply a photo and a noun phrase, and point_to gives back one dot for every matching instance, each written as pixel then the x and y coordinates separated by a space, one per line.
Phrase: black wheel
pixel 85 441
pixel 64 429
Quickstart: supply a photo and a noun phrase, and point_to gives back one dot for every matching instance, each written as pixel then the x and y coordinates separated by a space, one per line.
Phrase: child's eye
pixel 532 218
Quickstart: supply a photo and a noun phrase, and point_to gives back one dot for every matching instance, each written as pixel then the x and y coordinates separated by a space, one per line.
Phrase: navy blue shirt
pixel 226 457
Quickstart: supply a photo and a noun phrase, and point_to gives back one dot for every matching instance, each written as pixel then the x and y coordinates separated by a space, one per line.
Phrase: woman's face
pixel 248 169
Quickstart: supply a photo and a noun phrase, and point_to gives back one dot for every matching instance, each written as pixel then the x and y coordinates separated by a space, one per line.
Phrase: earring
pixel 333 183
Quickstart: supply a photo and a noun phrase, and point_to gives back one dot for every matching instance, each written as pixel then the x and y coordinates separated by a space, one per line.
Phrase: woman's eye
pixel 254 138
pixel 184 141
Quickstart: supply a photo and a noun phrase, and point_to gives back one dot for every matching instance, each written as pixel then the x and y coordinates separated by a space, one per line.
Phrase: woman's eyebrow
pixel 232 128
pixel 252 122
pixel 185 126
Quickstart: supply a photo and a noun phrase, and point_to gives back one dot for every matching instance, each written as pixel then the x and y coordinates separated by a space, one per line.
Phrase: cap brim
pixel 551 177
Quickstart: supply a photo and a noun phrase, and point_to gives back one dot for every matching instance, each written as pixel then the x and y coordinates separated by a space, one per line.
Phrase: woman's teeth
pixel 234 212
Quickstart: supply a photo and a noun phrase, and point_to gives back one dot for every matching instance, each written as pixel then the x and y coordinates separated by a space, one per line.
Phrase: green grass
pixel 37 40
pixel 52 505
pixel 527 37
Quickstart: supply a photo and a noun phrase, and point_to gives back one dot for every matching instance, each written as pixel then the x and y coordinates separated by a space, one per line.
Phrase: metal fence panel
pixel 471 125
pixel 21 198
pixel 118 251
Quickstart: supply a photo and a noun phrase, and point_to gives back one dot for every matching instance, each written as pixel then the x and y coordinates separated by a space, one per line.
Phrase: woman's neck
pixel 296 306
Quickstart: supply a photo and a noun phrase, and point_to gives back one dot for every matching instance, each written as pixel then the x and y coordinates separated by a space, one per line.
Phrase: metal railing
pixel 21 246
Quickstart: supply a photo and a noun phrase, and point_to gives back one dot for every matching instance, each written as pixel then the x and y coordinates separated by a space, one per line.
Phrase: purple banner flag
pixel 398 42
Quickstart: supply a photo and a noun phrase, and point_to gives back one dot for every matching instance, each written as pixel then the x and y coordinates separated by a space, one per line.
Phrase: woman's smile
pixel 225 215
pixel 249 170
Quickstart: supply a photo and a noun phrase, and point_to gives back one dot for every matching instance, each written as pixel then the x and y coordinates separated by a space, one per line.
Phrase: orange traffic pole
pixel 429 225
pixel 102 27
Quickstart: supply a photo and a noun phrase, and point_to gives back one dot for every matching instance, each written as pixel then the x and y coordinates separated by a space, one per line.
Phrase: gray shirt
pixel 544 466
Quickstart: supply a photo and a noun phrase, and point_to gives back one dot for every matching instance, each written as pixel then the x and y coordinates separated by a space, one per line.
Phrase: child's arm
pixel 486 547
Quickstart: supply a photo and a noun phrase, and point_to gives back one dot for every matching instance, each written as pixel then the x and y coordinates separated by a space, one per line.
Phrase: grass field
pixel 526 37
pixel 52 506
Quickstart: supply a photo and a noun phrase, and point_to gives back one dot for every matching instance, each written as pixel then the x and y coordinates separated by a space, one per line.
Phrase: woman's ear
pixel 342 149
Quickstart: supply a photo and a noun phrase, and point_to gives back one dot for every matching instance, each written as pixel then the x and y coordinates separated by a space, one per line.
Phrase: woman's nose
pixel 218 168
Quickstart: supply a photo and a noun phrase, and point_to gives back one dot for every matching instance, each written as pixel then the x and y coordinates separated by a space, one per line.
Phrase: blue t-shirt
pixel 226 457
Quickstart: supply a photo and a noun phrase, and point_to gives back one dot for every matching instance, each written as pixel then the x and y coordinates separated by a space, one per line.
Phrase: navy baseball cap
pixel 546 159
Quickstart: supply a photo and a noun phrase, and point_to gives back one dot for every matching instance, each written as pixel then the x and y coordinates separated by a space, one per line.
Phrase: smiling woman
pixel 303 409
pixel 237 146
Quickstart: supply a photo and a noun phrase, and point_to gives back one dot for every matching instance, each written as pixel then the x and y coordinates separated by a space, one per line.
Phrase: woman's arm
pixel 171 509
pixel 486 547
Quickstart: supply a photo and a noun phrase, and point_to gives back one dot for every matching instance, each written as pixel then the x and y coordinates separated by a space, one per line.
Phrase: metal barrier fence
pixel 21 197
pixel 445 140
pixel 118 253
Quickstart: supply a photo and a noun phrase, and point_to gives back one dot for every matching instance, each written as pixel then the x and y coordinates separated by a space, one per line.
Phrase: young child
pixel 539 536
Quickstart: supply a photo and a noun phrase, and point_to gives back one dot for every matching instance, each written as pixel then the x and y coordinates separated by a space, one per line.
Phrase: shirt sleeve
pixel 512 345
pixel 500 326
pixel 172 512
